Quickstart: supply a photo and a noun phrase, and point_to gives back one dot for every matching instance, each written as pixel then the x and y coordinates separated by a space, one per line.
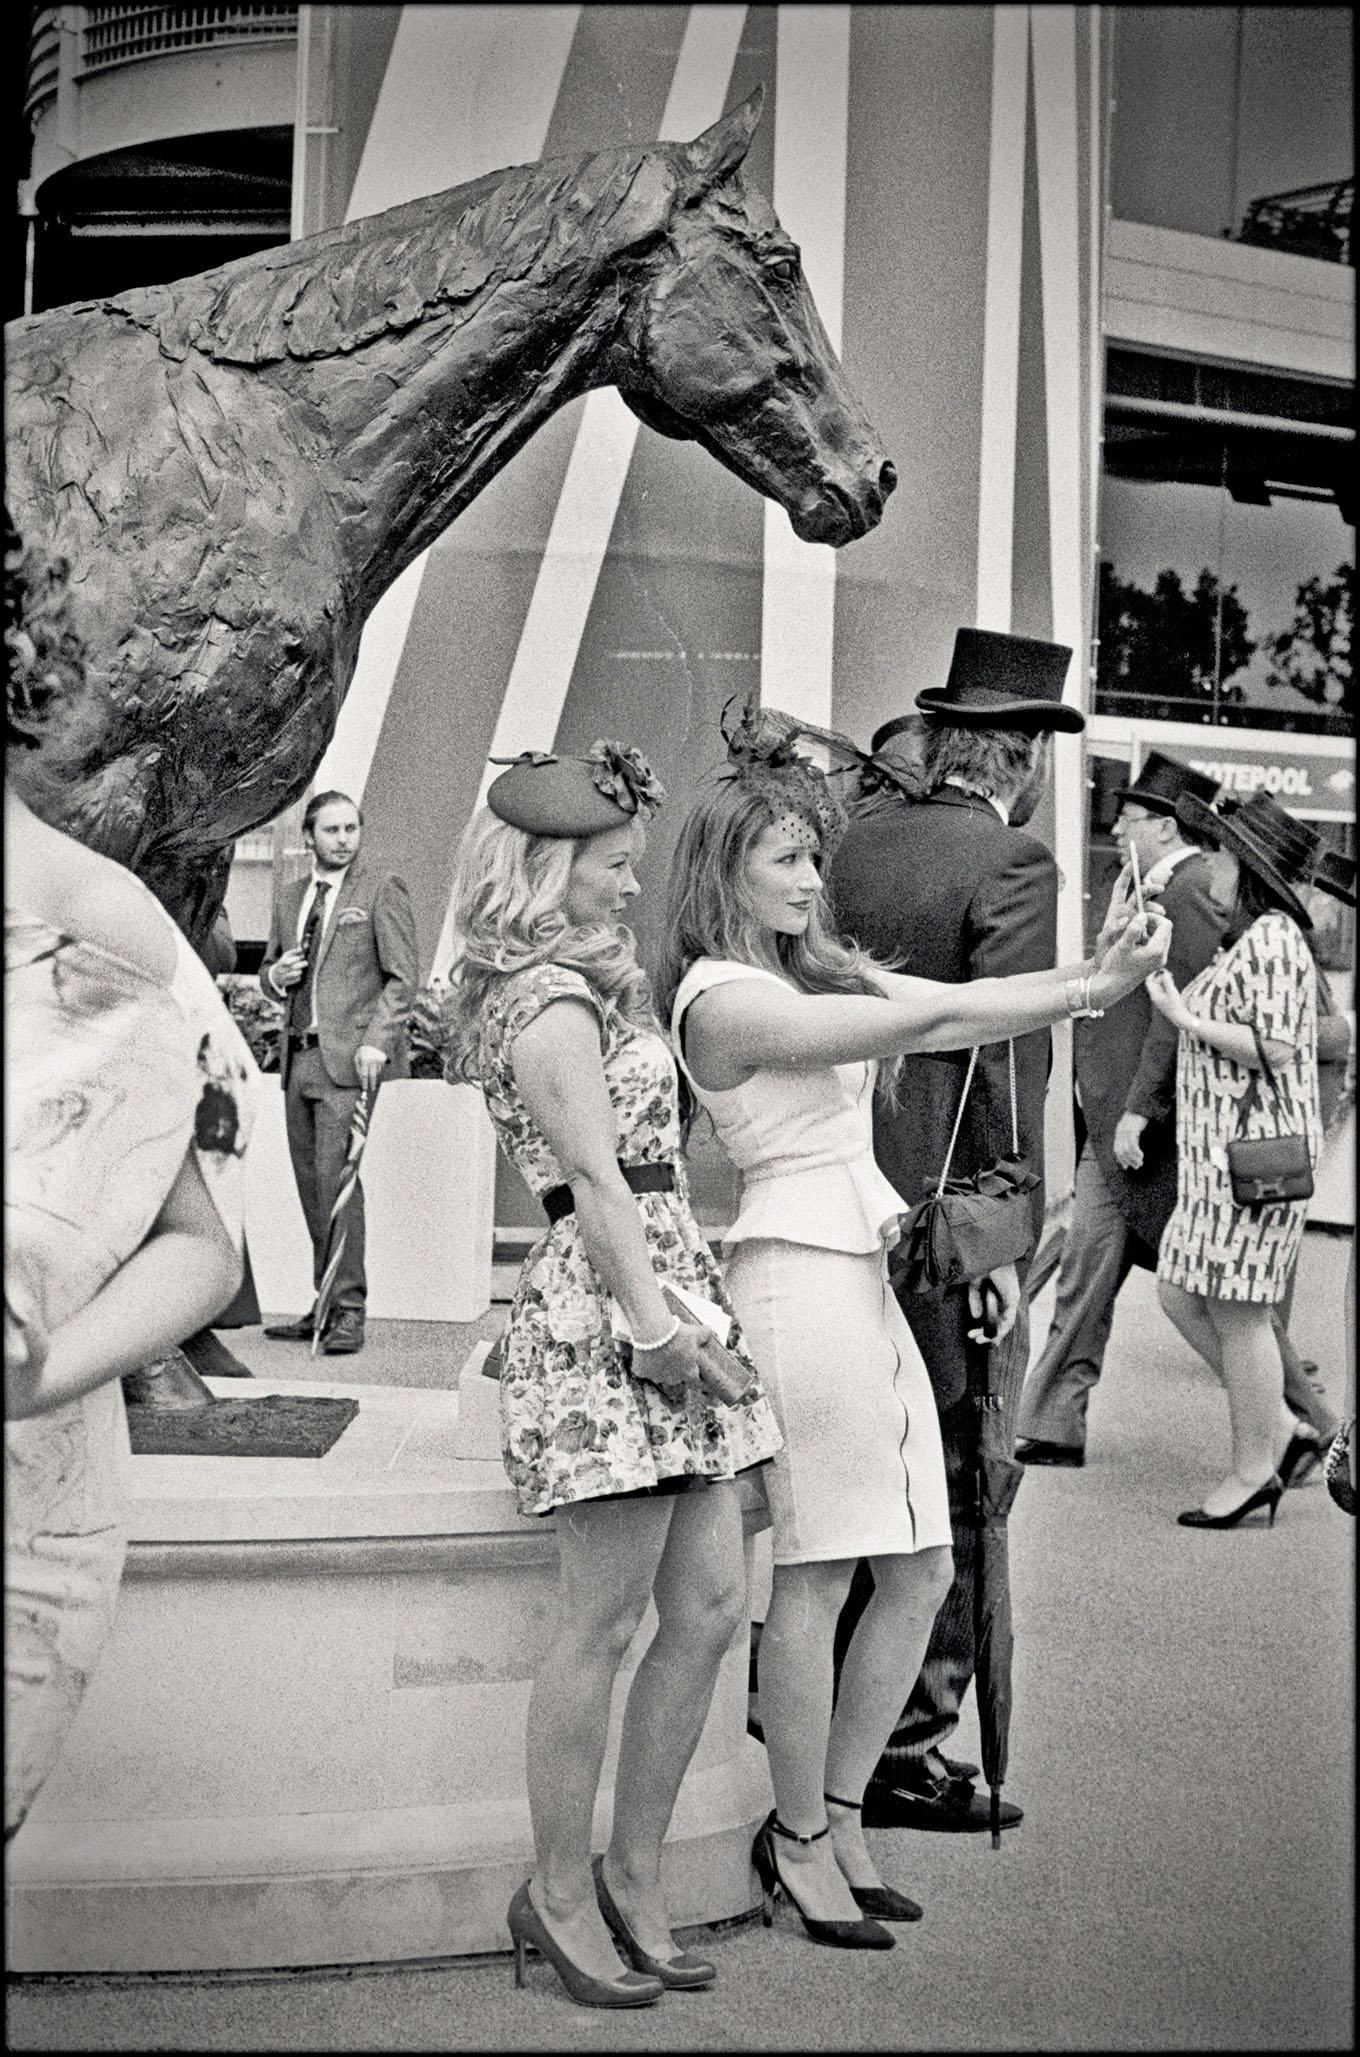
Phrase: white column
pixel 812 113
pixel 1001 318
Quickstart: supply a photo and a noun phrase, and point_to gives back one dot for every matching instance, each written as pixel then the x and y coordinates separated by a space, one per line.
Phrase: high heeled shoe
pixel 882 1903
pixel 685 1972
pixel 839 1935
pixel 526 1925
pixel 1267 1495
pixel 1302 1457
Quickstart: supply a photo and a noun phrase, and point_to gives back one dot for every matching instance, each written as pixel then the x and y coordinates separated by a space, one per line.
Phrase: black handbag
pixel 1271 1170
pixel 968 1227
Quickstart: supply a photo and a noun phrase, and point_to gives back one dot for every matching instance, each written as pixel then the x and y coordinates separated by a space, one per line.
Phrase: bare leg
pixel 877 1674
pixel 1196 1317
pixel 609 1552
pixel 700 1594
pixel 796 1688
pixel 1254 1378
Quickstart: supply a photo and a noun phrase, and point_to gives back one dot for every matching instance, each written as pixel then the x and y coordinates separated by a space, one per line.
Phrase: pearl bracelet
pixel 659 1342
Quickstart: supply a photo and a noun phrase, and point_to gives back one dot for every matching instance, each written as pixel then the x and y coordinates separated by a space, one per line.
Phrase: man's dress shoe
pixel 344 1335
pixel 920 1797
pixel 299 1331
pixel 1033 1450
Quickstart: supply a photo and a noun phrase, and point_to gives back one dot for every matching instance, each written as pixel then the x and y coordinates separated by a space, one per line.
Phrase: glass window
pixel 1227 548
pixel 1218 109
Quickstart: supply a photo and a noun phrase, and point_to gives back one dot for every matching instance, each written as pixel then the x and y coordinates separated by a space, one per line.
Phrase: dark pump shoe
pixel 344 1335
pixel 920 1797
pixel 1033 1450
pixel 291 1331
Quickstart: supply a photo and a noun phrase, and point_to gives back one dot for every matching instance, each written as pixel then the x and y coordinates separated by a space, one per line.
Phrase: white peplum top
pixel 802 1140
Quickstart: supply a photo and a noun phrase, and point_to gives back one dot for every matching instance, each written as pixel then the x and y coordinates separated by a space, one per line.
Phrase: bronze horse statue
pixel 239 464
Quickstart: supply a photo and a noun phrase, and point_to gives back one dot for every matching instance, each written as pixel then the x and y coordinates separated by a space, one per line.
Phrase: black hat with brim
pixel 1335 874
pixel 1162 781
pixel 1004 682
pixel 547 795
pixel 1281 851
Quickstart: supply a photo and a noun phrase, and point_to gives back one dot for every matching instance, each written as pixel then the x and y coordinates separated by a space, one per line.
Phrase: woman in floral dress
pixel 1222 1267
pixel 615 1412
pixel 128 1106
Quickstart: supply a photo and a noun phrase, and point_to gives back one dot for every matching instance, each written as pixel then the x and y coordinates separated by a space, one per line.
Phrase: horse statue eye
pixel 784 268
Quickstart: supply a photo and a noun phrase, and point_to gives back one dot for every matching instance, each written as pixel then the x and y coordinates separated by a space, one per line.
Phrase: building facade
pixel 1088 269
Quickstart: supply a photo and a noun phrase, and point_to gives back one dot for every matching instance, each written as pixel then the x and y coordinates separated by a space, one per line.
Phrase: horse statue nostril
pixel 887 478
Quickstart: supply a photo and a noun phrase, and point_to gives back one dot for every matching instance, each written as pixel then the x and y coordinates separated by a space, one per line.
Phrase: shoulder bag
pixel 1271 1170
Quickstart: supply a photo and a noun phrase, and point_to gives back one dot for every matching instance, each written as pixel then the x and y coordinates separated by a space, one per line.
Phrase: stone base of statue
pixel 305 1741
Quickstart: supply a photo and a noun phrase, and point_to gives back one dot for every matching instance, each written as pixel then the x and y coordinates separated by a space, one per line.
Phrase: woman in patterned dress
pixel 637 1446
pixel 128 1108
pixel 1222 1267
pixel 780 1027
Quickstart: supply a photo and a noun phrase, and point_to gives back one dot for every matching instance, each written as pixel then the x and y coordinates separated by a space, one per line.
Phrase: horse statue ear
pixel 720 150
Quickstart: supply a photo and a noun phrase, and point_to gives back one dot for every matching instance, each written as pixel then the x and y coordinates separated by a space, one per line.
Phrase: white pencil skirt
pixel 861 1473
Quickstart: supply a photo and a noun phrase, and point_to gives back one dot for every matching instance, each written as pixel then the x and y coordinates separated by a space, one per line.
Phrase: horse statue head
pixel 720 341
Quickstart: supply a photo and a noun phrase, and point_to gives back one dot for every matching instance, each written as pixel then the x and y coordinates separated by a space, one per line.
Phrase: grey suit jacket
pixel 366 973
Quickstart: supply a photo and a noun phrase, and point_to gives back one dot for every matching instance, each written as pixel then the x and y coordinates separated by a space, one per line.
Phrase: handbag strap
pixel 1252 1097
pixel 1015 1125
pixel 958 1122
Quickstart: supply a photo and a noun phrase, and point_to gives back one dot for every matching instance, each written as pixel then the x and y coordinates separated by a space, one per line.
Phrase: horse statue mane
pixel 237 465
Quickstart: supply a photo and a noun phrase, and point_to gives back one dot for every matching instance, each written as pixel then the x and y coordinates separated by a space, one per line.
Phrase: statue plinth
pixel 331 1770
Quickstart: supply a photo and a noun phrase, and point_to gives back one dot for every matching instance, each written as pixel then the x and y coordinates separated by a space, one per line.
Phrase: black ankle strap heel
pixel 841 1935
pixel 882 1903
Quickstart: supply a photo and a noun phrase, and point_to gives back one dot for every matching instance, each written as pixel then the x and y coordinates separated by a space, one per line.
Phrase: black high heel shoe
pixel 1267 1495
pixel 881 1902
pixel 840 1935
pixel 526 1925
pixel 685 1972
pixel 1303 1454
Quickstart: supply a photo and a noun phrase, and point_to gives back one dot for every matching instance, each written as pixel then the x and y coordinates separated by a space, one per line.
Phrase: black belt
pixel 296 1043
pixel 639 1178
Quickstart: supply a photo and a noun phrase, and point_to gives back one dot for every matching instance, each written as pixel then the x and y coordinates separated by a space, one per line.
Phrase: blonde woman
pixel 781 1028
pixel 635 1446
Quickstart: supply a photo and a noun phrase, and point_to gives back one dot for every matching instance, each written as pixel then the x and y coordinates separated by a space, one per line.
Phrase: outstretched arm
pixel 733 1030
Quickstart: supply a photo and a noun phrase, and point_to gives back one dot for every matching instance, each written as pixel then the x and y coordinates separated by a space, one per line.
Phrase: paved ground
pixel 1182 1744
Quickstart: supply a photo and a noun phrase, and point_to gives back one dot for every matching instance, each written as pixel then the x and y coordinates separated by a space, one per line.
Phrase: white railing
pixel 118 35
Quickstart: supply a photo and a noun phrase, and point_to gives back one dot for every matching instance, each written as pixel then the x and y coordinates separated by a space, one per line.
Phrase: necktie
pixel 311 942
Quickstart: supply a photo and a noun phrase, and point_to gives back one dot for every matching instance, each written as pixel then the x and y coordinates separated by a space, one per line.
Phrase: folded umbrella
pixel 337 1227
pixel 996 1480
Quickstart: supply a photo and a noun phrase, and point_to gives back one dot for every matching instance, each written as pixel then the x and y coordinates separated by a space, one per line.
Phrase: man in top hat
pixel 1126 1085
pixel 342 958
pixel 951 887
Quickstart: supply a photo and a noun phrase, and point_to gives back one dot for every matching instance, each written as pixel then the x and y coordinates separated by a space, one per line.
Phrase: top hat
pixel 1003 682
pixel 546 795
pixel 1161 782
pixel 1335 874
pixel 1258 832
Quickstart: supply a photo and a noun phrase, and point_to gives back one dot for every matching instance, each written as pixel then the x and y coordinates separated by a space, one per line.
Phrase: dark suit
pixel 1125 1062
pixel 364 985
pixel 944 889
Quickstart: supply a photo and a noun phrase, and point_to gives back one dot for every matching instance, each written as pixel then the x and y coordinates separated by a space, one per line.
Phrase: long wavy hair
pixel 707 914
pixel 508 891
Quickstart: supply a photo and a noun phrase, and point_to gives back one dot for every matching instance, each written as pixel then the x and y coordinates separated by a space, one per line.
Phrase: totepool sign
pixel 1322 786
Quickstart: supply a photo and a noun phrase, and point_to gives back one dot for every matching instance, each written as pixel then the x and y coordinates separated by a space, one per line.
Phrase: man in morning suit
pixel 1126 1085
pixel 342 957
pixel 950 887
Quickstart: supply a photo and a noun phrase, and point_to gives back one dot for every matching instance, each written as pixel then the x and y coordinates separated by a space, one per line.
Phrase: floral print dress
pixel 576 1425
pixel 1266 981
pixel 111 1078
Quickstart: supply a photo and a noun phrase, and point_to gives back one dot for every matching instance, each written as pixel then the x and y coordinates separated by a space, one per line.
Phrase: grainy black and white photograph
pixel 680 920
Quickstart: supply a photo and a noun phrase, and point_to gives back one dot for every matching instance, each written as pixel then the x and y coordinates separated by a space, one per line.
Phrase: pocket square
pixel 348 914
